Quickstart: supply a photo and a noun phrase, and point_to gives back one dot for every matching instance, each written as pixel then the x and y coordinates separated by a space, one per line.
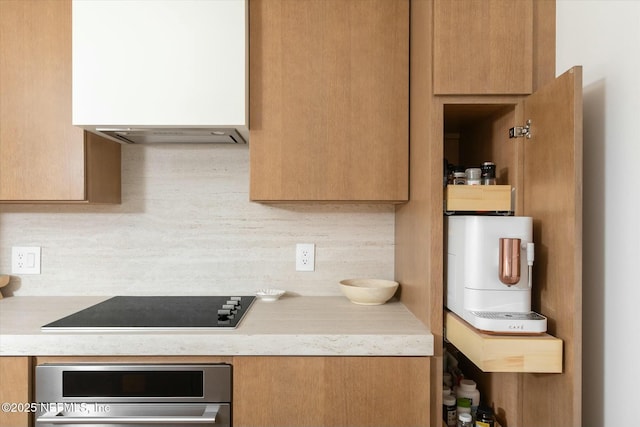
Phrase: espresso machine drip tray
pixel 508 316
pixel 507 322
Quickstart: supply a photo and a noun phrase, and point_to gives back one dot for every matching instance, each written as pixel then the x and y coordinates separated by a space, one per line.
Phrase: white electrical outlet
pixel 25 260
pixel 305 256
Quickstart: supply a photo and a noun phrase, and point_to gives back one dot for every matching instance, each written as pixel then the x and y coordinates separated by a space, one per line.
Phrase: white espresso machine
pixel 489 263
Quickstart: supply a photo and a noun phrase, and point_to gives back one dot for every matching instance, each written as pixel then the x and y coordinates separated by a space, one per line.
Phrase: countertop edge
pixel 193 345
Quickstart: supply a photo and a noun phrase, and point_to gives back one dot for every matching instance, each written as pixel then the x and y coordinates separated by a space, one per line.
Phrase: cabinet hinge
pixel 521 131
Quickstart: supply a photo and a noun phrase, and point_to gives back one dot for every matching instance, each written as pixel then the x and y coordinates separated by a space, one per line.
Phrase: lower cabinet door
pixel 15 395
pixel 331 391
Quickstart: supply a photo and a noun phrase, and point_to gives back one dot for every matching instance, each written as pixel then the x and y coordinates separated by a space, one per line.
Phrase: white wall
pixel 604 37
pixel 186 226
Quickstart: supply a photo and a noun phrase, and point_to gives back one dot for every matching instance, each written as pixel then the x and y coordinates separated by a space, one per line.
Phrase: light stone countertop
pixel 291 326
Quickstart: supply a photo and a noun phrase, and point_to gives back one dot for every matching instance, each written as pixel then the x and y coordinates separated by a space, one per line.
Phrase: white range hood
pixel 161 71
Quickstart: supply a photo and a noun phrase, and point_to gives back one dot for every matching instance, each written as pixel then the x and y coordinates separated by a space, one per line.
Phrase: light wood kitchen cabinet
pixel 15 392
pixel 285 391
pixel 329 100
pixel 484 46
pixel 331 391
pixel 470 126
pixel 43 158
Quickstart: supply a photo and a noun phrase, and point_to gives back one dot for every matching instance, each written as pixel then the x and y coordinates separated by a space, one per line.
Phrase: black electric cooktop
pixel 157 313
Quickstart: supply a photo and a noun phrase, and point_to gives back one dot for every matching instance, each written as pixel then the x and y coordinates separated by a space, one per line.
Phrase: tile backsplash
pixel 186 226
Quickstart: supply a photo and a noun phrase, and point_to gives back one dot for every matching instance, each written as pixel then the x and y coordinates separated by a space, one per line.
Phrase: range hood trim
pixel 172 135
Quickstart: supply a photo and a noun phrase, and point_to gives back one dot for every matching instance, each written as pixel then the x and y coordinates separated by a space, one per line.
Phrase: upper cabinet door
pixel 483 47
pixel 329 107
pixel 552 195
pixel 42 156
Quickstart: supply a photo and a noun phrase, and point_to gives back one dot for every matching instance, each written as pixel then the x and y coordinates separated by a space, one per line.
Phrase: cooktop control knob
pixel 225 314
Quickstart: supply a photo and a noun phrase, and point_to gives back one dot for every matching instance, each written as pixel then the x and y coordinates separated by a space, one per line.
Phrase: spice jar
pixel 484 417
pixel 468 394
pixel 473 176
pixel 459 178
pixel 463 406
pixel 465 420
pixel 488 174
pixel 449 413
pixel 446 379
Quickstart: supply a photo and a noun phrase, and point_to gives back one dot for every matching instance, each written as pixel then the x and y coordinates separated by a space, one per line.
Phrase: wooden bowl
pixel 368 291
pixel 4 281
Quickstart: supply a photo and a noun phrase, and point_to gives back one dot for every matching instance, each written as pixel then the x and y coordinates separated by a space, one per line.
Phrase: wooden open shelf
pixel 478 198
pixel 504 353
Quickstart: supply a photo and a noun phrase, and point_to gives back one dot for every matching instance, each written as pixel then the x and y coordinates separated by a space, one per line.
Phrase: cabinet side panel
pixel 41 153
pixel 418 233
pixel 103 167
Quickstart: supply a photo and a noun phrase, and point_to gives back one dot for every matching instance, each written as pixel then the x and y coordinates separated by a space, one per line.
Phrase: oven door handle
pixel 208 417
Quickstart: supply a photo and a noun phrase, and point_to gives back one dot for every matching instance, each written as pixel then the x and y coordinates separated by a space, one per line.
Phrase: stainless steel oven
pixel 125 395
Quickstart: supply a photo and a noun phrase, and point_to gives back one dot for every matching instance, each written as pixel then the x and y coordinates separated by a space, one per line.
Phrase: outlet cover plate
pixel 25 260
pixel 305 256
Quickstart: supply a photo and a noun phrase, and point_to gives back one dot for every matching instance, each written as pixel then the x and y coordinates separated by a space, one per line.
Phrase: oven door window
pixel 132 383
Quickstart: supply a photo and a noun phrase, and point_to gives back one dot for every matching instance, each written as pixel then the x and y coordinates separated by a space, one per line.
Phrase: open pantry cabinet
pixel 544 167
pixel 546 174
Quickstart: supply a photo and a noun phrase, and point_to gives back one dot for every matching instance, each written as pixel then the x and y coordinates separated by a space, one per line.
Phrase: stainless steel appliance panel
pixel 133 394
pixel 132 415
pixel 51 382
